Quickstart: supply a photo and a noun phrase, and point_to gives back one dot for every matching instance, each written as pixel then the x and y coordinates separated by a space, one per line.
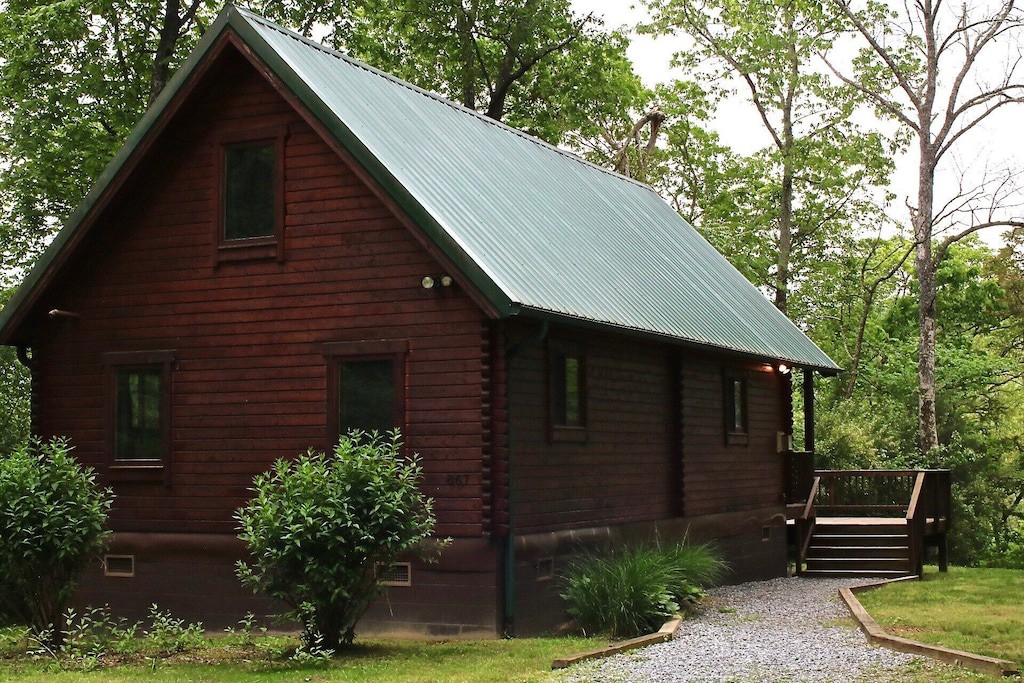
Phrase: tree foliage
pixel 813 181
pixel 318 527
pixel 533 64
pixel 75 78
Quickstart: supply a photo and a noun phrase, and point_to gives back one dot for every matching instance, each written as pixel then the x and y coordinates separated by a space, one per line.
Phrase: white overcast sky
pixel 997 144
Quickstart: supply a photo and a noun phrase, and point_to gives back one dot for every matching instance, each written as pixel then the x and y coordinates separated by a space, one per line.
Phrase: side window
pixel 139 421
pixel 567 392
pixel 735 404
pixel 250 194
pixel 365 387
pixel 139 409
pixel 366 395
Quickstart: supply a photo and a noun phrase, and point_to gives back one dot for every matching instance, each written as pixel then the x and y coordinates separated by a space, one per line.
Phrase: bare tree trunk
pixel 464 25
pixel 922 222
pixel 170 31
pixel 786 200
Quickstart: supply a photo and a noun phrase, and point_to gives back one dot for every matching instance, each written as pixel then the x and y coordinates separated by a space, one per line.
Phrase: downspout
pixel 535 339
pixel 30 362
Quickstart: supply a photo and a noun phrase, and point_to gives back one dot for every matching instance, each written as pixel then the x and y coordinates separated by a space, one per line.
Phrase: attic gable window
pixel 249 191
pixel 250 194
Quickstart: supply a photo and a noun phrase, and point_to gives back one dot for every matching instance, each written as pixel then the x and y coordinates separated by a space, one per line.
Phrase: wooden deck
pixel 871 522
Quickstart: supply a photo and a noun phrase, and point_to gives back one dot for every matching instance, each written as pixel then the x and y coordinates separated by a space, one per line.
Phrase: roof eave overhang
pixel 702 347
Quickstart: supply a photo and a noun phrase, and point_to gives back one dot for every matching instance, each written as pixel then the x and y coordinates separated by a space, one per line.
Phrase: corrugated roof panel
pixel 535 228
pixel 553 232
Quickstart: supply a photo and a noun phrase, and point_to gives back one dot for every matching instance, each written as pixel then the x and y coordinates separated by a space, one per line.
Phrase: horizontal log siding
pixel 720 477
pixel 249 378
pixel 624 470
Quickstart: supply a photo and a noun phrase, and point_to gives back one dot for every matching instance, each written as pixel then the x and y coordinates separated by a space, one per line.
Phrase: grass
pixel 975 610
pixel 227 660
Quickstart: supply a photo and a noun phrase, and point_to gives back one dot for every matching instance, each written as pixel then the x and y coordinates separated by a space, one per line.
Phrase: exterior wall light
pixel 784 369
pixel 430 282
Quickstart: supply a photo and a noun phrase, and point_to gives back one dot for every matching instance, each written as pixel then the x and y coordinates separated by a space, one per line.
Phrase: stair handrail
pixel 915 525
pixel 805 526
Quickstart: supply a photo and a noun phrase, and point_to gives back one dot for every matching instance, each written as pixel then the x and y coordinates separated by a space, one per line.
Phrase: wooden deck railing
pixel 883 493
pixel 922 497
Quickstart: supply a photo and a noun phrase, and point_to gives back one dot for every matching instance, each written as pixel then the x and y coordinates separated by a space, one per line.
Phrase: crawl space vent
pixel 119 565
pixel 397 574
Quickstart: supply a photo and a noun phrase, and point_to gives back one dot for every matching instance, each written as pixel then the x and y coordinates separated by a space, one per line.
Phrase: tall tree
pixel 938 70
pixel 818 160
pixel 531 63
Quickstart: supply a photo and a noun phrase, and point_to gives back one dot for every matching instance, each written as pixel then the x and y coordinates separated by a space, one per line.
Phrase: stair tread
pixel 875 548
pixel 857 572
pixel 860 560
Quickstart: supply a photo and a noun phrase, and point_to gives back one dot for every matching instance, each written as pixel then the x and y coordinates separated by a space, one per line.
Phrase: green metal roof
pixel 538 230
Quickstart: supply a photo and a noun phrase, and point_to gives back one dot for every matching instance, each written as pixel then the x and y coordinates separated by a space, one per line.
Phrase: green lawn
pixel 494 661
pixel 976 610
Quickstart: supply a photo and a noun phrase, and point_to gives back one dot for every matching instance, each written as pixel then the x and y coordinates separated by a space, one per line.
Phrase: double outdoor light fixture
pixel 442 281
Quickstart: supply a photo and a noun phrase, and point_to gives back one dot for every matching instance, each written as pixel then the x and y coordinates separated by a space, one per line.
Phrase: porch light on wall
pixel 443 280
pixel 784 369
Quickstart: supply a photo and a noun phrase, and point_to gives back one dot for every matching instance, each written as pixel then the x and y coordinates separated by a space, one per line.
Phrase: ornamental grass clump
pixel 318 526
pixel 52 520
pixel 631 591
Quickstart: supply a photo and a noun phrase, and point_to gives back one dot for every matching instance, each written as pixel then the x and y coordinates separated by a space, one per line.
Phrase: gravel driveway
pixel 788 629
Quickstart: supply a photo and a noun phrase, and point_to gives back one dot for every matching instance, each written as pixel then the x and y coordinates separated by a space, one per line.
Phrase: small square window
pixel 366 395
pixel 249 191
pixel 365 386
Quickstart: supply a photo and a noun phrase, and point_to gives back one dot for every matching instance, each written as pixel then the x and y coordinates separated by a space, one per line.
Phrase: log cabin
pixel 292 243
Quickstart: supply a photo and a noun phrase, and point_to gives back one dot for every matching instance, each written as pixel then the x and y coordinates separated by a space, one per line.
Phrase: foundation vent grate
pixel 119 565
pixel 397 574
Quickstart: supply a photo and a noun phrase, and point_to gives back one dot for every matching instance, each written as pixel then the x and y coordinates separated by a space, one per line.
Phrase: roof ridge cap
pixel 338 54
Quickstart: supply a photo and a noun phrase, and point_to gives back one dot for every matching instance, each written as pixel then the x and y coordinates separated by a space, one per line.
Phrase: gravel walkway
pixel 787 629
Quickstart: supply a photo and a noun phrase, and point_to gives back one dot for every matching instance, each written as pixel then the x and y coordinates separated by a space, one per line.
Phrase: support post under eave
pixel 808 410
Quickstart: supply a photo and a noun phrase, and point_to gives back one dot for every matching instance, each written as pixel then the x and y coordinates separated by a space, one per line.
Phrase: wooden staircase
pixel 876 523
pixel 864 546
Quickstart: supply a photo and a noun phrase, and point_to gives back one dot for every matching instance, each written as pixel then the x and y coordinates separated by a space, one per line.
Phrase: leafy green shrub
pixel 318 525
pixel 631 591
pixel 51 521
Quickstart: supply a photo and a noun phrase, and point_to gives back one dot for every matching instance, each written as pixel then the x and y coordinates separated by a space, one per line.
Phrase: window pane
pixel 138 427
pixel 249 191
pixel 567 390
pixel 738 418
pixel 573 415
pixel 367 396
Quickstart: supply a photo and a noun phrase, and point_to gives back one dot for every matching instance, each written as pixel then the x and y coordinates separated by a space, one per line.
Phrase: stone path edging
pixel 877 635
pixel 666 632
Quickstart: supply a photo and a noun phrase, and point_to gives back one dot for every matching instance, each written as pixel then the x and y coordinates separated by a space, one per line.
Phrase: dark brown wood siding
pixel 624 470
pixel 249 374
pixel 720 476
